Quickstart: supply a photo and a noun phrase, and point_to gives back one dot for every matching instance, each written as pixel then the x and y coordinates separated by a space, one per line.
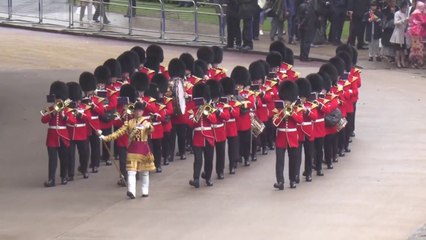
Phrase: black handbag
pixel 333 118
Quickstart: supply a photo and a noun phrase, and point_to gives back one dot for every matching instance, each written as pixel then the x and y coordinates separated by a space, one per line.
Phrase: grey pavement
pixel 375 192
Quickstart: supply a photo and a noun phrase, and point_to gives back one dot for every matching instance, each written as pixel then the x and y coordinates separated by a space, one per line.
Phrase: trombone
pixel 57 107
pixel 284 114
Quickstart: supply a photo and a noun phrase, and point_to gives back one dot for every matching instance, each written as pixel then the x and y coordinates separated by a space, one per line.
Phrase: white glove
pixel 99 132
pixel 102 137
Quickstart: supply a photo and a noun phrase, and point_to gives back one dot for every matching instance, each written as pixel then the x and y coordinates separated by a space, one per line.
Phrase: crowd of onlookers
pixel 394 30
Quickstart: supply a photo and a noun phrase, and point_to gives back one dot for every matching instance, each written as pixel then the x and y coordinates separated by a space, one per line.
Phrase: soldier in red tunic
pixel 156 54
pixel 78 131
pixel 231 125
pixel 117 78
pixel 206 54
pixel 88 85
pixel 286 118
pixel 58 139
pixel 127 63
pixel 216 72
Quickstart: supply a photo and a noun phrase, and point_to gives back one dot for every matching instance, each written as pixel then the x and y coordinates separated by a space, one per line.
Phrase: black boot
pixel 279 185
pixel 195 183
pixel 330 166
pixel 165 162
pixel 292 184
pixel 64 181
pixel 50 183
pixel 341 153
pixel 297 179
pixel 253 158
pixel 320 173
pixel 264 151
pixel 95 170
pixel 232 171
pixel 209 183
pixel 309 178
pixel 220 176
pixel 246 162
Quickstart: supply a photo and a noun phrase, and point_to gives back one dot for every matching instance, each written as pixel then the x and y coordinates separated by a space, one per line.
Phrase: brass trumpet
pixel 57 107
pixel 205 110
pixel 284 114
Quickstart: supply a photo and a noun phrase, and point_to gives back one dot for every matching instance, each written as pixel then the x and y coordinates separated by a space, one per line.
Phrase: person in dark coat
pixel 233 25
pixel 100 9
pixel 278 14
pixel 356 10
pixel 373 33
pixel 307 19
pixel 338 9
pixel 246 10
pixel 290 6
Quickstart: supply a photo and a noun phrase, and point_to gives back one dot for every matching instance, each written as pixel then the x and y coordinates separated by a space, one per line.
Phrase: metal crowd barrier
pixel 65 17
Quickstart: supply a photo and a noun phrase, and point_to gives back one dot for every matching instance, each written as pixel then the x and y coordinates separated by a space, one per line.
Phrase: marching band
pixel 143 107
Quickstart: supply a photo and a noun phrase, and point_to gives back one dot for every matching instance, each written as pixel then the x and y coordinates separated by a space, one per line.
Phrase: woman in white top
pixel 398 35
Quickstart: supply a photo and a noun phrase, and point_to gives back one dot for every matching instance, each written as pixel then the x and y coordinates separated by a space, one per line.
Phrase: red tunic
pixel 78 131
pixel 216 73
pixel 97 110
pixel 323 109
pixel 202 129
pixel 219 128
pixel 332 101
pixel 262 110
pixel 149 72
pixel 58 127
pixel 110 104
pixel 244 120
pixel 287 134
pixel 231 125
pixel 272 88
pixel 158 123
pixel 168 113
pixel 306 128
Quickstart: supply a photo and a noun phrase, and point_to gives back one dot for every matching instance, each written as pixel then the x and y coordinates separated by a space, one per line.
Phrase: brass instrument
pixel 286 112
pixel 57 107
pixel 205 110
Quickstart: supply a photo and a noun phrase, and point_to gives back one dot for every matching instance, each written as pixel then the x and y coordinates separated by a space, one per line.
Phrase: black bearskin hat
pixel 279 47
pixel 140 81
pixel 139 106
pixel 331 70
pixel 201 90
pixel 274 59
pixel 218 54
pixel 87 81
pixel 228 86
pixel 289 56
pixel 347 59
pixel 345 48
pixel 326 81
pixel 188 60
pixel 129 91
pixel 59 89
pixel 241 76
pixel 216 89
pixel 153 91
pixel 206 54
pixel 152 63
pixel 161 81
pixel 339 64
pixel 265 65
pixel 288 91
pixel 257 71
pixel 114 67
pixel 102 75
pixel 200 68
pixel 317 83
pixel 141 53
pixel 128 62
pixel 304 87
pixel 156 52
pixel 74 91
pixel 176 68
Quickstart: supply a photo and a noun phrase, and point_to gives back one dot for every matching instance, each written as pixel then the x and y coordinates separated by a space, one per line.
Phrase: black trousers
pixel 292 162
pixel 319 153
pixel 356 31
pixel 95 150
pixel 270 132
pixel 244 143
pixel 337 22
pixel 98 9
pixel 342 139
pixel 233 151
pixel 165 142
pixel 122 157
pixel 220 157
pixel 306 37
pixel 330 149
pixel 248 32
pixel 208 151
pixel 349 127
pixel 179 131
pixel 353 124
pixel 256 24
pixel 105 153
pixel 156 151
pixel 53 153
pixel 308 147
pixel 83 153
pixel 233 31
pixel 189 132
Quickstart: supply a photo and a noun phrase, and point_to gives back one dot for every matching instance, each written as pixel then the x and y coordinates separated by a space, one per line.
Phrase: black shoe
pixel 70 179
pixel 347 150
pixel 378 59
pixel 370 59
pixel 330 166
pixel 183 157
pixel 194 183
pixel 144 195
pixel 292 184
pixel 240 160
pixel 362 48
pixel 209 183
pixel 220 176
pixel 203 175
pixel 279 185
pixel 177 154
pixel 320 173
pixel 165 162
pixel 228 47
pixel 341 153
pixel 353 134
pixel 350 140
pixel 271 147
pixel 50 183
pixel 335 160
pixel 253 158
pixel 238 47
pixel 108 162
pixel 64 181
pixel 96 20
pixel 232 171
pixel 264 151
pixel 297 179
pixel 309 178
pixel 121 182
pixel 158 170
pixel 305 60
pixel 85 175
pixel 304 174
pixel 246 162
pixel 95 170
pixel 130 195
pixel 246 48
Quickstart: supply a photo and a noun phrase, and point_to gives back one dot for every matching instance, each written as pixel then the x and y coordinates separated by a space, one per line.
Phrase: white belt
pixel 156 123
pixel 95 117
pixel 231 120
pixel 217 125
pixel 57 127
pixel 287 129
pixel 202 128
pixel 306 123
pixel 319 120
pixel 264 105
pixel 77 125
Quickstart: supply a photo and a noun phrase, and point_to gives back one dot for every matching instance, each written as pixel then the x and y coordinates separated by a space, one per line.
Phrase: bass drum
pixel 179 103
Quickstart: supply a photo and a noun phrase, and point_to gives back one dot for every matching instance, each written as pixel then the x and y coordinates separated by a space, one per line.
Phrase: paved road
pixel 375 192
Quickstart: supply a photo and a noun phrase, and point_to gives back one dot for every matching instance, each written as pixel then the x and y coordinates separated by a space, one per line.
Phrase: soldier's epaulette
pixel 237 104
pixel 161 106
pixel 167 100
pixel 250 93
pixel 112 92
pixel 354 79
pixel 271 83
pixel 275 110
pixel 150 100
pixel 358 70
